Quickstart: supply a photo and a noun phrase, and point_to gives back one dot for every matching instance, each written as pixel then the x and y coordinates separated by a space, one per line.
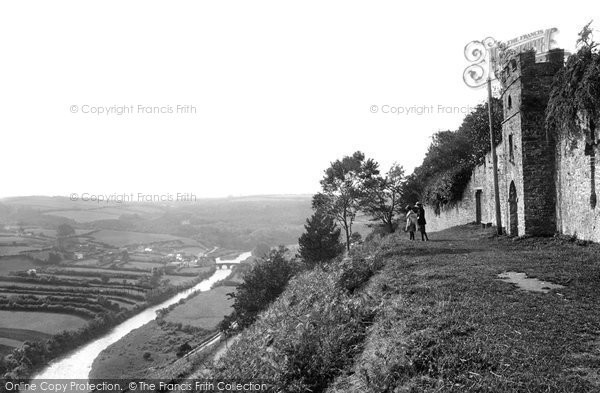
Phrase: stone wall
pixel 574 215
pixel 573 189
pixel 526 159
pixel 464 211
pixel 553 180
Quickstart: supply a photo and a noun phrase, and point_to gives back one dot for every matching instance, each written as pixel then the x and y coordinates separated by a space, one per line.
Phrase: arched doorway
pixel 513 211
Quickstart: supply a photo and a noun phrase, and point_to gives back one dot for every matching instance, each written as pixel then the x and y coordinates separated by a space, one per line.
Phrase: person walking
pixel 411 222
pixel 421 222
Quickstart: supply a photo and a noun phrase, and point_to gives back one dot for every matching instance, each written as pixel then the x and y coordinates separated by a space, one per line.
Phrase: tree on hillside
pixel 321 241
pixel 63 233
pixel 341 189
pixel 448 149
pixel 412 189
pixel 475 128
pixel 452 156
pixel 64 230
pixel 262 284
pixel 381 196
pixel 261 249
pixel 53 258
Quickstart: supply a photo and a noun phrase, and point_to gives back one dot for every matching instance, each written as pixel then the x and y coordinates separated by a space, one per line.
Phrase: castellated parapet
pixel 527 158
pixel 529 168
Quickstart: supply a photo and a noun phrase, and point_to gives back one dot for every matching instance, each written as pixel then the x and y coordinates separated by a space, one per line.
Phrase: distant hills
pixel 233 223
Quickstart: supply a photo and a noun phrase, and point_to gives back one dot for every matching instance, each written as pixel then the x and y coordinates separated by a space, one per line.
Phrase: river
pixel 242 257
pixel 78 364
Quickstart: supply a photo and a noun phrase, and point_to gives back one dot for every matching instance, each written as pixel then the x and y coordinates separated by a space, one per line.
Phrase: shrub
pixel 321 241
pixel 452 156
pixel 262 284
pixel 183 349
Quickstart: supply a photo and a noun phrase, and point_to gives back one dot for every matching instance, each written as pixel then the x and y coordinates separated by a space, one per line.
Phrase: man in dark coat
pixel 421 222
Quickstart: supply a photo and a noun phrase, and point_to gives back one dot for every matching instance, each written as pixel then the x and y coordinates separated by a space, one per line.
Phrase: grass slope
pixel 435 318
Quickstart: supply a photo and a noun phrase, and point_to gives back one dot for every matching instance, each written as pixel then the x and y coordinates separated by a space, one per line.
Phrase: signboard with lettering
pixel 540 41
pixel 488 54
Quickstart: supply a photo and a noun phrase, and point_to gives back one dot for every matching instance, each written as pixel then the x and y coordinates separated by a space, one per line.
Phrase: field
pixel 85 216
pixel 205 310
pixel 49 323
pixel 193 250
pixel 142 265
pixel 123 238
pixel 178 280
pixel 125 358
pixel 45 203
pixel 39 326
pixel 87 262
pixel 61 297
pixel 15 263
pixel 7 345
pixel 91 212
pixel 12 244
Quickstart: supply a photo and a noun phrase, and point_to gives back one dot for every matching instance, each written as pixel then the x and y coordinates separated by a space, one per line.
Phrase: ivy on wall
pixel 452 156
pixel 574 104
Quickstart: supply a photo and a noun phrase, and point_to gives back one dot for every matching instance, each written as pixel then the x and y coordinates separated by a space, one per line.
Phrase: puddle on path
pixel 528 284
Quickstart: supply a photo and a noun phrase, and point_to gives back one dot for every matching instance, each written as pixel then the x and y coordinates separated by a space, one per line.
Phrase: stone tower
pixel 528 162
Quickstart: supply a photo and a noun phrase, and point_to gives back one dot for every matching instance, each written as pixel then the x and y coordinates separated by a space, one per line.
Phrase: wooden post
pixel 494 159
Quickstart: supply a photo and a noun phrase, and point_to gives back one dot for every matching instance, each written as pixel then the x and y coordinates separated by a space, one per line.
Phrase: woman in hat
pixel 421 221
pixel 411 222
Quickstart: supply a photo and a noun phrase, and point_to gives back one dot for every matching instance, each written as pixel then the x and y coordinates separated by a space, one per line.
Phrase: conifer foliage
pixel 321 241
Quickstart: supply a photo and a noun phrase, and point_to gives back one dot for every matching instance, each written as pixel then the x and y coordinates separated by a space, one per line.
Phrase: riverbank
pixel 33 359
pixel 77 364
pixel 143 353
pixel 433 317
pixel 151 349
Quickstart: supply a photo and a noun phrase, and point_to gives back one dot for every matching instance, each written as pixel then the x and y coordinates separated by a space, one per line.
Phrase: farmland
pixel 123 238
pixel 41 322
pixel 81 268
pixel 39 326
pixel 205 310
pixel 15 263
pixel 63 290
pixel 126 357
pixel 155 348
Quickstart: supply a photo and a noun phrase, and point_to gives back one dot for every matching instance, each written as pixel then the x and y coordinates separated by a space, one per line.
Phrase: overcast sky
pixel 279 88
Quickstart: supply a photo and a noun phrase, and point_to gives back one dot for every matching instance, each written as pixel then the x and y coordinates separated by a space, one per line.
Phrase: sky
pixel 231 98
